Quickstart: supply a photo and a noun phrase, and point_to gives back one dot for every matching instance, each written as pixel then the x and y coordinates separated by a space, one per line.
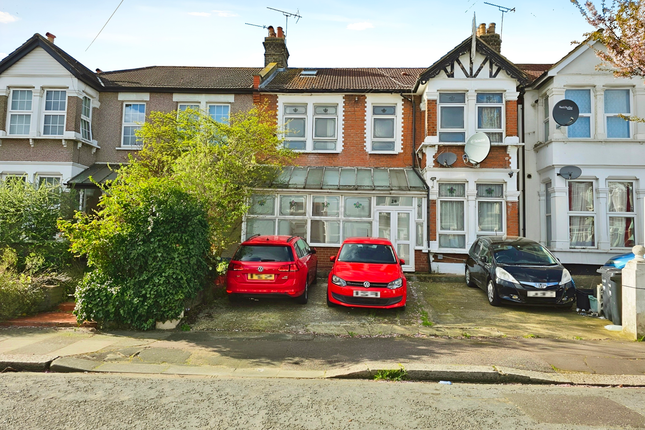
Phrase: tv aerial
pixel 287 15
pixel 504 10
pixel 257 25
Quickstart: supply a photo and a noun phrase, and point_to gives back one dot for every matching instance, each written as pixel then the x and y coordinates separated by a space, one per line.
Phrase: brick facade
pixel 512 219
pixel 511 118
pixel 431 118
pixel 498 157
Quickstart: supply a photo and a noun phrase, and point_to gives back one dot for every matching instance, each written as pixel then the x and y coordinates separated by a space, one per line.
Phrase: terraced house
pixel 373 144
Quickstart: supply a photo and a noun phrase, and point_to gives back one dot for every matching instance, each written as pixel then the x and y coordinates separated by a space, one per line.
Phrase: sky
pixel 350 33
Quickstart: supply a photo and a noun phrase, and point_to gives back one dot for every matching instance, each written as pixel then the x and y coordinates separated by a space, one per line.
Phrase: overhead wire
pixel 106 23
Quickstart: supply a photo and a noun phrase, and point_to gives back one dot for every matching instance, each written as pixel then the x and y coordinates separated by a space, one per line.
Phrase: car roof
pixel 369 240
pixel 507 239
pixel 270 240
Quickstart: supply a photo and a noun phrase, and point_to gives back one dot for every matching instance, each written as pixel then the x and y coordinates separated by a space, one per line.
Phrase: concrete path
pixel 313 356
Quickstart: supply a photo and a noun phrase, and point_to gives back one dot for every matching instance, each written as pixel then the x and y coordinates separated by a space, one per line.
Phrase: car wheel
pixel 491 292
pixel 469 279
pixel 304 297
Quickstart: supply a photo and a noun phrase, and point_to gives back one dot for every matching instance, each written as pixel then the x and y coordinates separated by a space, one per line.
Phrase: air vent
pixel 308 73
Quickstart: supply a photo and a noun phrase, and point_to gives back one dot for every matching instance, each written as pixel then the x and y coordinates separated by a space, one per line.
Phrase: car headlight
pixel 503 275
pixel 566 277
pixel 338 281
pixel 397 283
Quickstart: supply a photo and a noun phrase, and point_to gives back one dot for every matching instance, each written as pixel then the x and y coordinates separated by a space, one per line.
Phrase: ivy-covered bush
pixel 147 253
pixel 28 217
pixel 18 294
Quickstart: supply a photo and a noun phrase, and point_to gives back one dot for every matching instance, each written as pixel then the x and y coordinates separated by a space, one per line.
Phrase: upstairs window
pixel 295 119
pixel 325 127
pixel 617 102
pixel 452 126
pixel 20 110
pixel 134 114
pixel 311 127
pixel 383 128
pixel 219 113
pixel 54 119
pixel 86 119
pixel 489 115
pixel 547 118
pixel 582 127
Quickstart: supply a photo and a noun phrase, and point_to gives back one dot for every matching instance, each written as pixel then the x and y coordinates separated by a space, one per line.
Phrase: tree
pixel 620 27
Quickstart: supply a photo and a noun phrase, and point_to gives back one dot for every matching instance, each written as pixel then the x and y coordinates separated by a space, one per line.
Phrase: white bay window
pixel 452 226
pixel 582 216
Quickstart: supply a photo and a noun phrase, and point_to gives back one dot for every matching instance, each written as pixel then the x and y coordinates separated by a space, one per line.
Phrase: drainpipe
pixel 522 172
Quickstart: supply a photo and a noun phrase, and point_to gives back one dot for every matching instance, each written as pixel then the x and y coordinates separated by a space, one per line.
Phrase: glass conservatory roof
pixel 350 178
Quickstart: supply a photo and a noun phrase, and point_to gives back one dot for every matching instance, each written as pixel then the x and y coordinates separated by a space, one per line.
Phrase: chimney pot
pixel 481 29
pixel 280 33
pixel 491 28
pixel 271 31
pixel 50 37
pixel 489 36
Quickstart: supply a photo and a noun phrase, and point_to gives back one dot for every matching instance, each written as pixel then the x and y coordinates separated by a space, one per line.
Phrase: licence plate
pixel 261 276
pixel 374 294
pixel 540 293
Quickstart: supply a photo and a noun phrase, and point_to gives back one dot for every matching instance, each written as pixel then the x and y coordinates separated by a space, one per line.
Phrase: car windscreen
pixel 532 254
pixel 263 253
pixel 367 253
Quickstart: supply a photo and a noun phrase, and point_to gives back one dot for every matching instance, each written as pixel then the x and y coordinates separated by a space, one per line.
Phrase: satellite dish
pixel 446 159
pixel 565 112
pixel 477 147
pixel 570 172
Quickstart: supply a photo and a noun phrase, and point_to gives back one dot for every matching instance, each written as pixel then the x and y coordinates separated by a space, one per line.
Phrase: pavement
pixel 306 356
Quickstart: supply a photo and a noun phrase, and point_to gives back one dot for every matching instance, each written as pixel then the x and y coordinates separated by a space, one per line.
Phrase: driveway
pixel 435 308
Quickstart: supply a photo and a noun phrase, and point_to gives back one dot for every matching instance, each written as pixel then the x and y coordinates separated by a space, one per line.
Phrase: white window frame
pixel 27 113
pixel 228 106
pixel 589 115
pixel 376 117
pixel 630 97
pixel 195 106
pixel 465 220
pixel 502 108
pixel 329 218
pixel 623 214
pixel 131 124
pixel 317 116
pixel 548 211
pixel 592 214
pixel 52 112
pixel 87 119
pixel 383 100
pixel 547 118
pixel 441 105
pixel 41 176
pixel 311 102
pixel 502 201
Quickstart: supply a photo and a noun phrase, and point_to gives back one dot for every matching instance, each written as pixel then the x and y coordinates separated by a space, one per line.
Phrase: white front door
pixel 396 226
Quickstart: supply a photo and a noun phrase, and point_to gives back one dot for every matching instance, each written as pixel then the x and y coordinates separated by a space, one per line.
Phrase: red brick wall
pixel 498 157
pixel 267 102
pixel 450 258
pixel 421 262
pixel 511 118
pixel 431 118
pixel 512 219
pixel 432 220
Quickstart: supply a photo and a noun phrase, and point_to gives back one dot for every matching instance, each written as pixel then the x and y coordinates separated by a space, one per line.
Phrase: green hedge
pixel 18 295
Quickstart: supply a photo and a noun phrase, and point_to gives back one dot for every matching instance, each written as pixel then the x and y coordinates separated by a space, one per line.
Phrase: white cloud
pixel 360 26
pixel 224 14
pixel 206 14
pixel 6 18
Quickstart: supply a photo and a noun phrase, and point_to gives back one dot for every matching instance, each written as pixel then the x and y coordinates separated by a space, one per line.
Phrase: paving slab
pixel 258 372
pixel 616 366
pixel 84 346
pixel 27 362
pixel 163 355
pixel 45 346
pixel 200 370
pixel 72 364
pixel 16 342
pixel 132 368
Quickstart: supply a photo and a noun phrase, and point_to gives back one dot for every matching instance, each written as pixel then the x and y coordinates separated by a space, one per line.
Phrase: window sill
pixel 129 148
pixel 301 151
pixel 384 152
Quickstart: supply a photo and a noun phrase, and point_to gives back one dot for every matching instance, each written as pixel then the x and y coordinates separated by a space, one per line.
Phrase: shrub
pixel 28 217
pixel 18 295
pixel 147 253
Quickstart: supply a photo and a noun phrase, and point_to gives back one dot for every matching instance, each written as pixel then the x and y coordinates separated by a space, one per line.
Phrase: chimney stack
pixel 50 37
pixel 275 48
pixel 489 36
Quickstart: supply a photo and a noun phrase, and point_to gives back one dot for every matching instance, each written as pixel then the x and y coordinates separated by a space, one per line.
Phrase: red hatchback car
pixel 272 266
pixel 367 273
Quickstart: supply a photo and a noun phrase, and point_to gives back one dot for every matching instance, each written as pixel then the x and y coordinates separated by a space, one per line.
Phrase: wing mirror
pixel 332 258
pixel 401 261
pixel 312 251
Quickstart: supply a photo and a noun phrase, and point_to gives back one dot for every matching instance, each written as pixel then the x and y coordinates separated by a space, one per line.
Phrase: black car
pixel 518 270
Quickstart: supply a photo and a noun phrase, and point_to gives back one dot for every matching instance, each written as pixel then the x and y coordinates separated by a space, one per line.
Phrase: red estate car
pixel 367 273
pixel 272 266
